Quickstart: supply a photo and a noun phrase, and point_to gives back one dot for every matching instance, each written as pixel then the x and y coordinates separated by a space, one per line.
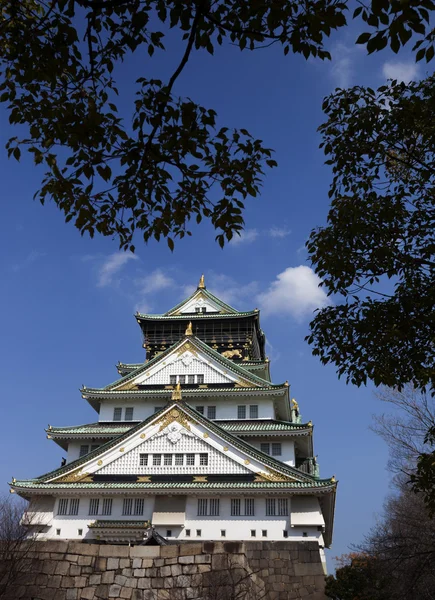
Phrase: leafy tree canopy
pixel 171 162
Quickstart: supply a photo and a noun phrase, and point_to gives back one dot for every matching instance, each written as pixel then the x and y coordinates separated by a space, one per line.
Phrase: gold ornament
pixel 225 448
pixel 176 394
pixel 189 329
pixel 142 436
pixel 201 284
pixel 205 435
pixel 174 415
pixel 99 463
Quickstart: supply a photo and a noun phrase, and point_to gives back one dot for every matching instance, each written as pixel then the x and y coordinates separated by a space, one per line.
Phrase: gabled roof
pixel 180 412
pixel 198 293
pixel 198 345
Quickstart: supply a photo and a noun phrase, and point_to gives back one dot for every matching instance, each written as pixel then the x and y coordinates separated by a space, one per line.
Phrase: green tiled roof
pixel 246 426
pixel 225 362
pixel 100 523
pixel 193 316
pixel 252 485
pixel 98 392
pixel 212 426
pixel 204 292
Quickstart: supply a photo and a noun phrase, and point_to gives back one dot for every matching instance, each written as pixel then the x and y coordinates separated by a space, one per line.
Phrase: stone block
pixel 163 595
pixel 319 582
pixel 53 546
pixel 41 579
pixel 190 569
pixel 60 595
pixel 144 583
pixel 87 593
pixel 204 568
pixel 71 558
pixel 147 563
pixel 168 583
pixel 67 582
pixel 102 591
pixel 115 551
pixel 48 567
pixel 190 549
pixel 182 581
pixel 75 570
pixel 153 572
pixel 301 569
pixel 112 563
pixel 126 593
pixel 139 573
pixel 165 571
pixel 114 590
pixel 143 551
pixel 87 570
pixel 54 581
pixel 131 582
pixel 157 582
pixel 203 558
pixel 175 570
pixel 62 568
pixel 171 561
pixel 108 577
pixel 191 592
pixel 137 563
pixel 124 563
pixel 71 594
pixel 46 594
pixel 85 549
pixel 100 564
pixel 95 579
pixel 120 580
pixel 186 560
pixel 80 582
pixel 169 551
pixel 219 562
pixel 85 560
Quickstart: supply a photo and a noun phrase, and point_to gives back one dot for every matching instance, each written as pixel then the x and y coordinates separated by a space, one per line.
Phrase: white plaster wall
pixel 74 448
pixel 237 528
pixel 225 409
pixel 287 447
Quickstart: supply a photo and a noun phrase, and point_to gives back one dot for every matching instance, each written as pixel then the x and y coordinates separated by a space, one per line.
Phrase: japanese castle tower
pixel 196 443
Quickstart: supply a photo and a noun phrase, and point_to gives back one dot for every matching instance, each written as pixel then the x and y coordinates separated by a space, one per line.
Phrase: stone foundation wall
pixel 202 571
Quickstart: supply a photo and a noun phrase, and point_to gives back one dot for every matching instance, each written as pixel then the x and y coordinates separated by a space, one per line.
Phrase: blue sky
pixel 67 302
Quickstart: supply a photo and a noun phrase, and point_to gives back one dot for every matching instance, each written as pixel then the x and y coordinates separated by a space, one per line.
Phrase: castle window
pixel 304 534
pixel 264 532
pixel 190 460
pixel 168 460
pixel 270 507
pixel 138 506
pixel 63 506
pixel 79 531
pixel 84 449
pixel 172 379
pixel 157 460
pixel 117 414
pixel 187 532
pixel 282 507
pixel 200 379
pixel 200 409
pixel 57 531
pixel 179 460
pixel 235 507
pixel 74 506
pixel 214 507
pixel 208 509
pixel 169 533
pixel 127 506
pixel 107 506
pixel 94 504
pixel 223 533
pixel 129 413
pixel 265 447
pixel 143 460
pixel 202 507
pixel 249 507
pixel 276 449
pixel 285 533
pixel 211 412
pixel 198 532
pixel 191 379
pixel 241 412
pixel 253 411
pixel 203 460
pixel 253 533
pixel 182 379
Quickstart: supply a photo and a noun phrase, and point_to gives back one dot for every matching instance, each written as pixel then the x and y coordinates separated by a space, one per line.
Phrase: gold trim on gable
pixel 174 415
pixel 74 477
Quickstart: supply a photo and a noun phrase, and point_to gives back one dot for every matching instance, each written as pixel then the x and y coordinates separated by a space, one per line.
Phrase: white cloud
pixel 154 282
pixel 295 292
pixel 231 291
pixel 32 257
pixel 402 71
pixel 246 236
pixel 342 65
pixel 111 266
pixel 279 232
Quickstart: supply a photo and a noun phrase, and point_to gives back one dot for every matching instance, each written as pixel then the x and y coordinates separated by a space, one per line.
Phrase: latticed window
pixel 63 506
pixel 129 413
pixel 241 412
pixel 253 411
pixel 94 504
pixel 138 506
pixel 143 460
pixel 265 447
pixel 107 506
pixel 172 379
pixel 282 507
pixel 84 449
pixel 203 460
pixel 214 507
pixel 202 507
pixel 127 506
pixel 191 379
pixel 117 414
pixel 182 379
pixel 235 507
pixel 74 506
pixel 190 460
pixel 276 449
pixel 200 379
pixel 179 459
pixel 249 507
pixel 211 412
pixel 168 460
pixel 270 507
pixel 200 409
pixel 157 460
